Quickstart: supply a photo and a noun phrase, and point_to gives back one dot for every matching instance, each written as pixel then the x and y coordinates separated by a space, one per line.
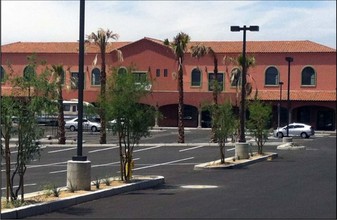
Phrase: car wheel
pixel 93 129
pixel 304 135
pixel 72 128
pixel 280 135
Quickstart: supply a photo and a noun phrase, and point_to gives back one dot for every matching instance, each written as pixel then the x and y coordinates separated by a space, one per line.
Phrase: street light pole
pixel 79 156
pixel 289 60
pixel 242 111
pixel 279 106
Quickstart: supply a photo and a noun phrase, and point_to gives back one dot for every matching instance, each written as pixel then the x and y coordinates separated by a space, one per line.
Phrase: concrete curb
pixel 38 209
pixel 238 164
pixel 290 146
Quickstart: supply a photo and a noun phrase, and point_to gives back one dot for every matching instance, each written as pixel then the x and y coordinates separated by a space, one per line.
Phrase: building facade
pixel 312 92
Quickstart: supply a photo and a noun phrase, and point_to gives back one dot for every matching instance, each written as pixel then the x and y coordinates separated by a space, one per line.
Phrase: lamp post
pixel 79 156
pixel 289 60
pixel 279 106
pixel 243 78
pixel 79 168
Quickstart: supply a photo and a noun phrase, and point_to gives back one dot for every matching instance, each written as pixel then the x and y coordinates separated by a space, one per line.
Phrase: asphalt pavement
pixel 297 184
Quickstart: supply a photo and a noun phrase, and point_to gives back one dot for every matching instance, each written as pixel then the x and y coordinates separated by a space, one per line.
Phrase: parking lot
pixel 297 184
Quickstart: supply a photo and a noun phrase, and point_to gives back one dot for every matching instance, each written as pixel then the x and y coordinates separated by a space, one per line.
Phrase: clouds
pixel 202 20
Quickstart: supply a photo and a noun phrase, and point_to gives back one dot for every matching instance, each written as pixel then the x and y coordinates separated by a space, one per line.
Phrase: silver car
pixel 295 129
pixel 72 125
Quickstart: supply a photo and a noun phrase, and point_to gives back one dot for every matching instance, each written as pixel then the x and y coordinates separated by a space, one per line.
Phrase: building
pixel 312 75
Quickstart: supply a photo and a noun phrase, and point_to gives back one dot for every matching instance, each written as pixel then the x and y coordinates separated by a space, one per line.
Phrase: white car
pixel 295 129
pixel 87 125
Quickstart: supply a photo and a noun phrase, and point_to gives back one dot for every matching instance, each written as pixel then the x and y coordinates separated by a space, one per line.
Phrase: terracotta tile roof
pixel 54 47
pixel 274 95
pixel 266 46
pixel 217 46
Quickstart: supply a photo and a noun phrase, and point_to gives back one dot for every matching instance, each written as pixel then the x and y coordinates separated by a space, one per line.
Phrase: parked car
pixel 72 125
pixel 295 129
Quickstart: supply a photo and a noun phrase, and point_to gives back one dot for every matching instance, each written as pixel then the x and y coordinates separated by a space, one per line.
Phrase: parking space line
pixel 230 149
pixel 98 150
pixel 45 165
pixel 107 164
pixel 192 148
pixel 56 151
pixel 161 164
pixel 31 184
pixel 149 148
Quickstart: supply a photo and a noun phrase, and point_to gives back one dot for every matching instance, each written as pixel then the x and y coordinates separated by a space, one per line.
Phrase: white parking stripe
pixel 59 171
pixel 45 165
pixel 230 149
pixel 56 151
pixel 192 148
pixel 31 184
pixel 149 148
pixel 161 164
pixel 98 150
pixel 108 164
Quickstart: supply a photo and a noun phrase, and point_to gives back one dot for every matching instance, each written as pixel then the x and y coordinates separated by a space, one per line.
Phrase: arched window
pixel 28 73
pixel 95 77
pixel 122 70
pixel 196 77
pixel 211 81
pixel 308 77
pixel 271 76
pixel 2 74
pixel 235 77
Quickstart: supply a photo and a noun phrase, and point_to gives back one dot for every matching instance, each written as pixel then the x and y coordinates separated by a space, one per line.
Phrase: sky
pixel 58 21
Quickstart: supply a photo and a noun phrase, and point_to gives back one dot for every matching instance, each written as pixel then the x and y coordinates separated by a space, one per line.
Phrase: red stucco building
pixel 312 75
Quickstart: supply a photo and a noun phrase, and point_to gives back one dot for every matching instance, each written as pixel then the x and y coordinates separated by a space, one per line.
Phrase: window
pixel 308 77
pixel 2 74
pixel 271 76
pixel 196 77
pixel 95 77
pixel 211 81
pixel 158 73
pixel 66 107
pixel 236 77
pixel 28 73
pixel 74 80
pixel 122 70
pixel 139 76
pixel 165 72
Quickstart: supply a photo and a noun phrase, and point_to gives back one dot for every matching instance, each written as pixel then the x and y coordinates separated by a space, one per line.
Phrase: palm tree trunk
pixel 181 135
pixel 103 94
pixel 215 96
pixel 61 123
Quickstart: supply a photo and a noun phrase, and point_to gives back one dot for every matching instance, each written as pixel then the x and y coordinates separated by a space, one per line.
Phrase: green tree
pixel 133 120
pixel 101 39
pixel 259 118
pixel 224 122
pixel 8 128
pixel 35 92
pixel 179 48
pixel 58 71
pixel 199 51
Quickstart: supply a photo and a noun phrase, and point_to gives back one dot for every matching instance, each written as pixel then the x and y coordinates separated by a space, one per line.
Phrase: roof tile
pixel 217 46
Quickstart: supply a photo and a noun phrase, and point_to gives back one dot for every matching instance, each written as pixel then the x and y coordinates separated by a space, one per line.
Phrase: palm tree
pixel 179 47
pixel 58 74
pixel 101 39
pixel 201 50
pixel 235 78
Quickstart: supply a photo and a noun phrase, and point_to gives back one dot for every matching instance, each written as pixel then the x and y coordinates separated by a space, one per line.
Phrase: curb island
pixel 46 207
